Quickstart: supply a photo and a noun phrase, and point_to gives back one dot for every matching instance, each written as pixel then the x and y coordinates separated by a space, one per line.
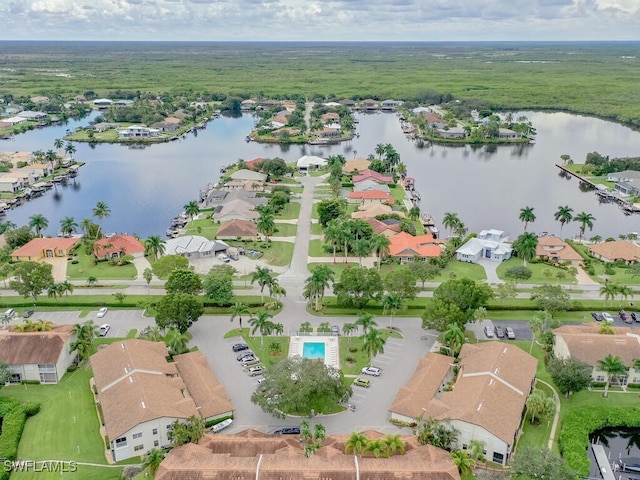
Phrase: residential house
pixel 217 198
pixel 138 131
pixel 624 176
pixel 371 175
pixel 104 126
pixel 234 209
pixel 587 345
pixel 507 134
pixel 46 247
pixel 347 102
pixel 117 246
pixel 622 250
pixel 292 132
pixel 14 120
pixel 310 162
pixel 329 118
pixel 123 103
pixel 39 170
pixel 452 132
pixel 371 210
pixel 141 394
pixel 169 124
pixel 238 230
pixel 255 163
pixel 245 174
pixel 556 250
pixel 332 104
pixel 247 105
pixel 31 115
pixel 432 119
pixel 489 244
pixel 356 165
pixel 409 248
pixel 371 196
pixel 627 188
pixel 382 228
pixel 11 184
pixel 369 105
pixel 39 99
pixel 486 401
pixel 37 356
pixel 253 454
pixel 247 185
pixel 369 185
pixel 102 103
pixel 331 131
pixel 194 247
pixel 389 105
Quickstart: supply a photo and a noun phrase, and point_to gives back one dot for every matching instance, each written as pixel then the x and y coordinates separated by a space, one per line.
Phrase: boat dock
pixel 603 462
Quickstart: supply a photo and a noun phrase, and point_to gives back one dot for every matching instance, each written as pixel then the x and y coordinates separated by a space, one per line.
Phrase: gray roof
pixel 193 244
pixel 369 184
pixel 236 207
pixel 245 174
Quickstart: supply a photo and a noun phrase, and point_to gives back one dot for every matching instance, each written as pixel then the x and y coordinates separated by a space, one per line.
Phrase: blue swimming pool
pixel 313 350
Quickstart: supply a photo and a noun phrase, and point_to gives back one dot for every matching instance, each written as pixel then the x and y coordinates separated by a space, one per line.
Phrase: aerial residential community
pixel 309 317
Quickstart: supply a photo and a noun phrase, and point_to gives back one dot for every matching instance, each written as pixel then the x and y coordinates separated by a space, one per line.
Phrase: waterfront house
pixel 238 230
pixel 252 454
pixel 279 132
pixel 370 184
pixel 556 250
pixel 117 246
pixel 490 244
pixel 347 102
pixel 370 196
pixel 388 105
pixel 452 132
pixel 46 247
pixel 310 162
pixel 433 120
pixel 37 356
pixel 9 183
pixel 627 188
pixel 371 210
pixel 356 165
pixel 255 163
pixel 332 131
pixel 486 401
pixel 33 116
pixel 194 247
pixel 104 126
pixel 371 175
pixel 138 131
pixel 141 394
pixel 329 118
pixel 408 248
pixel 14 120
pixel 369 105
pixel 587 345
pixel 123 103
pixel 621 250
pixel 245 174
pixel 624 176
pixel 102 103
pixel 507 134
pixel 382 228
pixel 234 209
pixel 247 105
pixel 39 170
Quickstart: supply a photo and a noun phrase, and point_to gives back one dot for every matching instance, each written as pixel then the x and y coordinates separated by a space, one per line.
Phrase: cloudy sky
pixel 350 20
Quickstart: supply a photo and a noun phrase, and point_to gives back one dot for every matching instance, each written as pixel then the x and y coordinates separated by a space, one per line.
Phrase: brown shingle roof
pixel 30 348
pixel 237 228
pixel 492 386
pixel 554 247
pixel 586 344
pixel 207 392
pixel 379 227
pixel 373 210
pixel 222 457
pixel 619 249
pixel 359 164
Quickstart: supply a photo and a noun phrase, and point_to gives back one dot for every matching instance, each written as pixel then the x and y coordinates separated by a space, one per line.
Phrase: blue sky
pixel 322 20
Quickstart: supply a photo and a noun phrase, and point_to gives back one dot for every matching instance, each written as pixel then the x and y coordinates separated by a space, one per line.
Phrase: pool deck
pixel 331 348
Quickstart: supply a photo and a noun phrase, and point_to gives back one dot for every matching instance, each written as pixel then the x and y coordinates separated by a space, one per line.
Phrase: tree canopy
pixel 570 375
pixel 167 264
pixel 218 285
pixel 535 463
pixel 32 278
pixel 183 281
pixel 455 301
pixel 357 286
pixel 178 310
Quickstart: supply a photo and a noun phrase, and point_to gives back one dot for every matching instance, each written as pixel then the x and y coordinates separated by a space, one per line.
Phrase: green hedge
pixel 13 420
pixel 215 421
pixel 580 423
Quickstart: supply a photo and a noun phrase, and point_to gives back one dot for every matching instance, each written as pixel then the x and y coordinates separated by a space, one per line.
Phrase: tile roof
pixel 406 245
pixel 619 249
pixel 585 343
pixel 237 228
pixel 555 247
pixel 253 164
pixel 37 246
pixel 379 227
pixel 492 387
pixel 126 243
pixel 373 175
pixel 359 164
pixel 251 454
pixel 373 210
pixel 31 348
pixel 372 195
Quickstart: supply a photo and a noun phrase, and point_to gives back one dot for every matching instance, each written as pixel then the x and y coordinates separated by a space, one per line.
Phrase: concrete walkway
pixel 490 269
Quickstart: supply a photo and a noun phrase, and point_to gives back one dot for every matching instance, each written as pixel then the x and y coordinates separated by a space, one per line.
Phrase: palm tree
pixel 377 447
pixel 316 284
pixel 373 343
pixel 609 290
pixel 305 431
pixel 192 209
pixel 153 460
pixel 392 302
pixel 460 229
pixel 365 320
pixel 147 274
pixel 625 292
pixel 612 366
pixel 58 143
pixel 525 245
pixel 177 341
pixel 380 150
pixel 450 221
pixel 361 248
pixel 68 225
pixel 265 223
pixel 536 324
pixel 564 214
pixel 39 222
pixel 262 323
pixel 606 329
pixel 356 443
pixel 85 333
pixel 319 433
pixel 585 220
pixel 66 287
pixel 348 329
pixel 454 338
pixel 51 157
pixel 101 211
pixel 263 277
pixel 539 405
pixel 394 444
pixel 333 235
pixel 526 216
pixel 238 310
pixel 464 463
pixel 380 245
pixel 414 212
pixel 155 246
pixel 595 239
pixel 43 326
pixel 85 226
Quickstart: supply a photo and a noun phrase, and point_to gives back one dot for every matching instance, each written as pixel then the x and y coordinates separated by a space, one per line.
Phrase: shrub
pixel 13 420
pixel 598 384
pixel 353 349
pixel 100 414
pixel 633 386
pixel 30 382
pixel 31 408
pixel 72 368
pixel 215 421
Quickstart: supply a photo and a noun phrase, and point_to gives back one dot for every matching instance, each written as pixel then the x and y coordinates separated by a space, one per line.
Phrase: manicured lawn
pixel 317 229
pixel 316 249
pixel 291 211
pixel 204 227
pixel 351 347
pixel 260 346
pixel 278 253
pixel 285 230
pixel 537 434
pixel 398 195
pixel 67 426
pixel 459 269
pixel 622 275
pixel 102 270
pixel 314 211
pixel 537 269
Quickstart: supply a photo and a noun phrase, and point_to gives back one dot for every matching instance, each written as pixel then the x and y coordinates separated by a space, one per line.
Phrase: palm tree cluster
pixel 321 278
pixel 360 444
pixel 30 326
pixel 389 157
pixel 454 224
pixel 611 289
pixel 614 367
pixel 357 237
pixel 335 164
pixel 57 290
pixel 564 214
pixel 262 322
pixel 83 344
pixel 266 223
pixel 373 340
pixel 312 441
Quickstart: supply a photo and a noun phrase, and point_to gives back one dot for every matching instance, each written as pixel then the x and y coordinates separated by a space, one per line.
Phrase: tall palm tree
pixel 526 216
pixel 450 221
pixel 525 245
pixel 380 245
pixel 595 239
pixel 153 460
pixel 625 292
pixel 365 320
pixel 564 214
pixel 68 225
pixel 609 290
pixel 39 222
pixel 536 324
pixel 66 288
pixel 85 333
pixel 155 246
pixel 70 149
pixel 147 274
pixel 58 143
pixel 454 338
pixel 414 212
pixel 392 302
pixel 612 366
pixel 177 341
pixel 348 329
pixel 539 405
pixel 356 443
pixel 262 276
pixel 51 157
pixel 237 310
pixel 585 220
pixel 380 150
pixel 317 283
pixel 192 209
pixel 333 235
pixel 262 322
pixel 373 343
pixel 266 225
pixel 101 211
pixel 85 226
pixel 361 248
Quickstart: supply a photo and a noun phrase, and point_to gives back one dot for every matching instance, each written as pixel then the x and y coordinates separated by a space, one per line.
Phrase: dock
pixel 603 462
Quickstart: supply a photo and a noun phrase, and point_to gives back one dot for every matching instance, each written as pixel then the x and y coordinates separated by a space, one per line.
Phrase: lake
pixel 486 186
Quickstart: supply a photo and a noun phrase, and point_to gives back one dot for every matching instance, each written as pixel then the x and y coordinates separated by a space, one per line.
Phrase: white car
pixel 373 371
pixel 221 426
pixel 102 312
pixel 103 330
pixel 607 317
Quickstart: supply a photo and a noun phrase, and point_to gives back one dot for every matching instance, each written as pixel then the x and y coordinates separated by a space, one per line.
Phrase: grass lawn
pixel 537 270
pixel 102 270
pixel 536 434
pixel 291 211
pixel 316 249
pixel 278 253
pixel 285 230
pixel 525 315
pixel 317 229
pixel 67 426
pixel 314 211
pixel 460 269
pixel 398 195
pixel 204 227
pixel 351 348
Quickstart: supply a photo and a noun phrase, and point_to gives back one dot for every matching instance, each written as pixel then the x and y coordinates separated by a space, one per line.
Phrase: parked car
pixel 27 313
pixel 243 355
pixel 362 382
pixel 247 361
pixel 287 431
pixel 222 425
pixel 255 371
pixel 102 312
pixel 335 330
pixel 511 335
pixel 597 316
pixel 223 258
pixel 635 317
pixel 626 318
pixel 607 317
pixel 499 332
pixel 488 331
pixel 238 347
pixel 103 330
pixel 373 371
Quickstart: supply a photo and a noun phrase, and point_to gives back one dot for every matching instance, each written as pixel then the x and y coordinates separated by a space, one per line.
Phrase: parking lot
pixel 121 321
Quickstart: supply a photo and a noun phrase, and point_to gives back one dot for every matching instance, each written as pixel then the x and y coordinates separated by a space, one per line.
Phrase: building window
pixel 154 431
pixel 137 435
pixel 156 443
pixel 600 378
pixel 137 448
pixel 498 458
pixel 121 442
